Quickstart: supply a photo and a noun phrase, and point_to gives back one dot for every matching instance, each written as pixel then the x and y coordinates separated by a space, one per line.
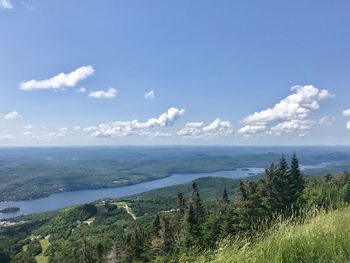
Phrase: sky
pixel 185 72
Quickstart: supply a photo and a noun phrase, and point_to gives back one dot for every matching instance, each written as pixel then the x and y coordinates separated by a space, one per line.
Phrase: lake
pixel 64 199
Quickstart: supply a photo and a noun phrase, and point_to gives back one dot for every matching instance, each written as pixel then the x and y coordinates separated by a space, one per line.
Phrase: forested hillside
pixel 29 173
pixel 204 221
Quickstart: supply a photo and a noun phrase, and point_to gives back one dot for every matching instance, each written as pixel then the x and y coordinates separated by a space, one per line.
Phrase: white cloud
pixel 63 130
pixel 7 137
pixel 28 127
pixel 27 134
pixel 150 95
pixel 126 128
pixel 101 94
pixel 287 114
pixel 6 4
pixel 81 90
pixel 77 128
pixel 47 135
pixel 296 106
pixel 11 115
pixel 59 81
pixel 251 129
pixel 300 127
pixel 346 112
pixel 217 128
pixel 327 120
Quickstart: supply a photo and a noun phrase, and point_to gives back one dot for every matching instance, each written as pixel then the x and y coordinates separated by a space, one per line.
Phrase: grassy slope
pixel 41 258
pixel 324 238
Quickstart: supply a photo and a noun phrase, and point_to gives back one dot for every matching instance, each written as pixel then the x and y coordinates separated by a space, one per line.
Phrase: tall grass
pixel 324 237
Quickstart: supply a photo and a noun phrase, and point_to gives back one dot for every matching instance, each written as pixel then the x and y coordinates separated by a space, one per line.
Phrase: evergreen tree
pixel 297 181
pixel 100 253
pixel 346 192
pixel 191 227
pixel 197 205
pixel 268 189
pixel 180 202
pixel 87 255
pixel 212 229
pixel 242 190
pixel 137 245
pixel 225 196
pixel 117 253
pixel 281 189
pixel 328 177
pixel 229 221
pixel 166 235
pixel 156 226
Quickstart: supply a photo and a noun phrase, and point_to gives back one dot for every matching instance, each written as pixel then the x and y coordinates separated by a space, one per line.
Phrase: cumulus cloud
pixel 81 90
pixel 217 128
pixel 11 115
pixel 110 93
pixel 59 81
pixel 346 112
pixel 302 127
pixel 288 114
pixel 150 95
pixel 28 127
pixel 126 128
pixel 251 129
pixel 6 4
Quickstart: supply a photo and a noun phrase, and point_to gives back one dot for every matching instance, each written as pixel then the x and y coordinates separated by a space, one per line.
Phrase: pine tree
pixel 117 253
pixel 297 181
pixel 156 226
pixel 346 192
pixel 281 188
pixel 328 177
pixel 180 205
pixel 242 190
pixel 136 245
pixel 197 205
pixel 225 196
pixel 191 227
pixel 165 234
pixel 100 253
pixel 268 188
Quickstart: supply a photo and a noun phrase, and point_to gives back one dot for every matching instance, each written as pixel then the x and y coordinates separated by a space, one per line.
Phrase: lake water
pixel 64 199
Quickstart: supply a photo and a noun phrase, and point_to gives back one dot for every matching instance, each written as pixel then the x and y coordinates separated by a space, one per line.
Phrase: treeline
pixel 281 193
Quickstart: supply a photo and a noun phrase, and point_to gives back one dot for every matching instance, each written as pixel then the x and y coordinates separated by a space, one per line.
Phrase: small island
pixel 9 210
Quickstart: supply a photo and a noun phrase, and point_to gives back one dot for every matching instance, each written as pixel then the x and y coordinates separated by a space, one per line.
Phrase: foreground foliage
pixel 321 238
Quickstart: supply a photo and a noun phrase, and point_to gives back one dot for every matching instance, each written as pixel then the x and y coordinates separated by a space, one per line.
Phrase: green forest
pixel 283 216
pixel 29 173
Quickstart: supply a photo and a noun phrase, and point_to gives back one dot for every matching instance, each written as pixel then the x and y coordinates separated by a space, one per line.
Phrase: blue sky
pixel 174 72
